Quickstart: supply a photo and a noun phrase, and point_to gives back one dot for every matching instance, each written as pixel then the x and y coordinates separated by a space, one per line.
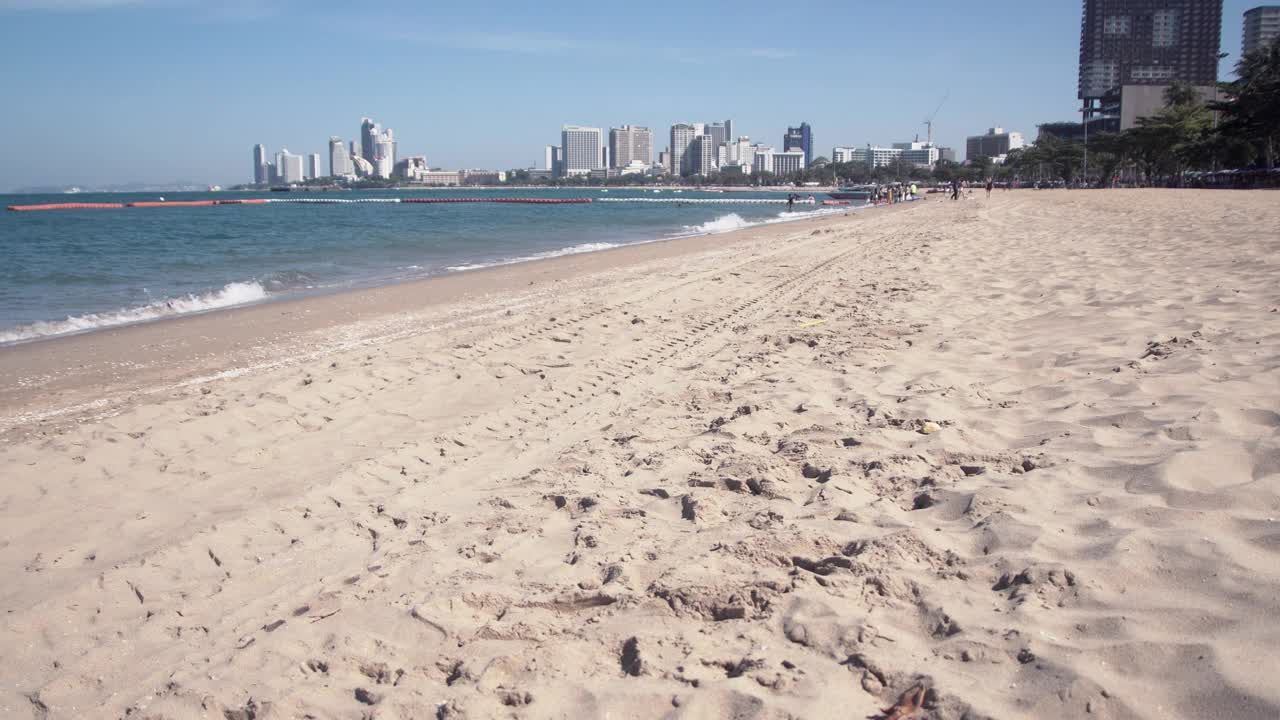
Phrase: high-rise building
pixel 789 162
pixel 581 149
pixel 682 134
pixel 369 132
pixel 1261 27
pixel 799 138
pixel 700 156
pixel 762 158
pixel 629 144
pixel 313 166
pixel 995 144
pixel 738 151
pixel 260 176
pixel 848 154
pixel 553 160
pixel 384 154
pixel 923 154
pixel 339 158
pixel 719 132
pixel 1147 42
pixel 288 167
pixel 411 168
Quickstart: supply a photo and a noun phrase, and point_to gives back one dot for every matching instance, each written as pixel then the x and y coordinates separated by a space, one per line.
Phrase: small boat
pixel 852 192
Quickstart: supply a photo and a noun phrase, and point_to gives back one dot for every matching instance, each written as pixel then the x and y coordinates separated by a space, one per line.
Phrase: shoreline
pixel 199 346
pixel 212 298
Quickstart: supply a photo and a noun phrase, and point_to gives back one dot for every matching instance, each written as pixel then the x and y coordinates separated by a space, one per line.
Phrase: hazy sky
pixel 113 91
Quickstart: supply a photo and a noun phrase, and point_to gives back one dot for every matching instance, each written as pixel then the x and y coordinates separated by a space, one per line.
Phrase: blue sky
pixel 110 91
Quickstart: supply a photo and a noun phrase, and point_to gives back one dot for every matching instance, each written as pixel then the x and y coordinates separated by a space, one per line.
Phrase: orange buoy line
pixel 317 201
pixel 64 206
pixel 173 203
pixel 528 201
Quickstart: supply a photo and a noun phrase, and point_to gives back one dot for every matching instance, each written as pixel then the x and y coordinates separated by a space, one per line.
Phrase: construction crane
pixel 928 122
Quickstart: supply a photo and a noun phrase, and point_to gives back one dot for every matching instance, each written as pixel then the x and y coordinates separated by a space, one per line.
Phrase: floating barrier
pixel 709 201
pixel 523 201
pixel 172 203
pixel 64 206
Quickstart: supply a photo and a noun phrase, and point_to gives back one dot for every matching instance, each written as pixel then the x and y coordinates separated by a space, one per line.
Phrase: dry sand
pixel 1024 450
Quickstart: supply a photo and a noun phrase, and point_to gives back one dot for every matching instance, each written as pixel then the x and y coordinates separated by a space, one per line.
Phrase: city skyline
pixel 515 84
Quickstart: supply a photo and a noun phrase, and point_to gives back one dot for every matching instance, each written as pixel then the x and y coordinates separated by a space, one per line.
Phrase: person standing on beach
pixel 955 188
pixel 990 183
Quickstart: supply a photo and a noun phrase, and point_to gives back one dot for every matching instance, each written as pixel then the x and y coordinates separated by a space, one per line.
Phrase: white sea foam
pixel 571 250
pixel 229 295
pixel 733 221
pixel 724 223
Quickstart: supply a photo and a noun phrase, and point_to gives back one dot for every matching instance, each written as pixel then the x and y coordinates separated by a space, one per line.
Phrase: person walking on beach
pixel 990 183
pixel 955 188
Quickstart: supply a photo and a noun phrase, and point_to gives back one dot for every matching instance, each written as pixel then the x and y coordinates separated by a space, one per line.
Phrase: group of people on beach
pixel 955 187
pixel 890 194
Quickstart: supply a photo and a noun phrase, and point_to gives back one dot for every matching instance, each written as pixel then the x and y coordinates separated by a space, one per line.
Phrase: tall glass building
pixel 799 138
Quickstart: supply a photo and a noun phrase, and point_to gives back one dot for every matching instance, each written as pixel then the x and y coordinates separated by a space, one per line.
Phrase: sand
pixel 1023 453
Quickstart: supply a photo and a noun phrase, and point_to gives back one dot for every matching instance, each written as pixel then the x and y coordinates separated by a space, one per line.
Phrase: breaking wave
pixel 571 250
pixel 734 221
pixel 229 295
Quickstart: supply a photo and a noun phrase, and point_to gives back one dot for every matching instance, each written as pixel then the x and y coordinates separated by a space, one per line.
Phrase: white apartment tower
pixel 384 154
pixel 313 166
pixel 580 148
pixel 260 165
pixel 629 144
pixel 789 162
pixel 682 135
pixel 1261 26
pixel 340 158
pixel 289 167
pixel 739 152
pixel 701 155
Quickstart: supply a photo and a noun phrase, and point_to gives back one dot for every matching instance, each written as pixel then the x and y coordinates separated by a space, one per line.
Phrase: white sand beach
pixel 1022 452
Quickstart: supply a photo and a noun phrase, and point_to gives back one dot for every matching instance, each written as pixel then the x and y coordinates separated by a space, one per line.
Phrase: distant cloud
pixel 227 10
pixel 513 41
pixel 526 42
pixel 517 41
pixel 770 53
pixel 68 5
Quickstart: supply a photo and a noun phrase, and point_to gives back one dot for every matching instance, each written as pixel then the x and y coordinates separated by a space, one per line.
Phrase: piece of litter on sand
pixel 909 703
pixel 929 427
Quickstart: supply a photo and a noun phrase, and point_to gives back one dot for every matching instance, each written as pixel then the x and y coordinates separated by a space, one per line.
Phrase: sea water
pixel 67 271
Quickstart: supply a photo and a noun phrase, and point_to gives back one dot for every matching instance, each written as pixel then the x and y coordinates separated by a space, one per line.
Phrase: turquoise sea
pixel 68 271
